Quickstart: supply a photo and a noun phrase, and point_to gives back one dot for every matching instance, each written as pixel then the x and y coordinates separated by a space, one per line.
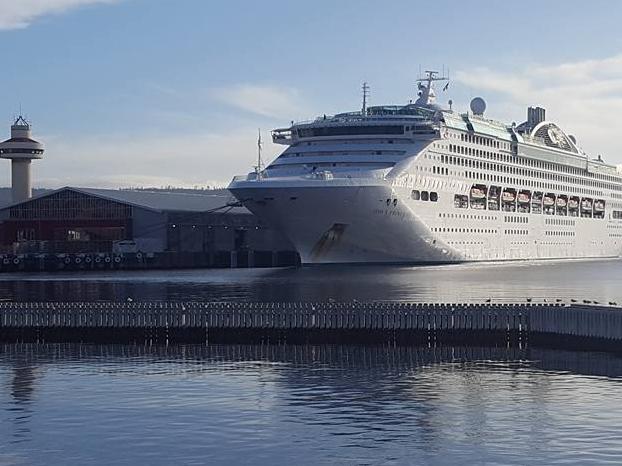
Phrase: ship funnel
pixel 535 115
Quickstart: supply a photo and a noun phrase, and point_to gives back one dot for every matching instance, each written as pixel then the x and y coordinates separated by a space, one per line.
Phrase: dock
pixel 589 325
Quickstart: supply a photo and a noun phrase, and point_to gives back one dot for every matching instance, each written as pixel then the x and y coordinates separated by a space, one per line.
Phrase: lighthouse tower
pixel 21 149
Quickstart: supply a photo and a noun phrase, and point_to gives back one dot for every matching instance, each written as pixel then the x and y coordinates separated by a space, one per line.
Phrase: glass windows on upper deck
pixel 410 110
pixel 362 130
pixel 408 130
pixel 408 121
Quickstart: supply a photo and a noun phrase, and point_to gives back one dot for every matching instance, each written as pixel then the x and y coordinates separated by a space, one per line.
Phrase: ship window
pixel 461 201
pixel 415 195
pixel 424 196
pixel 350 130
pixel 433 196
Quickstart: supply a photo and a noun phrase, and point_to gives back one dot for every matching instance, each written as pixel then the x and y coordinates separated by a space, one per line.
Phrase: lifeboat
pixel 561 201
pixel 573 203
pixel 586 204
pixel 599 205
pixel 524 197
pixel 549 200
pixel 478 192
pixel 508 196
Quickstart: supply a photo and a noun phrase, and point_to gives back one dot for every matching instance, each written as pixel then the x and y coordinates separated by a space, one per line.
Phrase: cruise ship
pixel 418 183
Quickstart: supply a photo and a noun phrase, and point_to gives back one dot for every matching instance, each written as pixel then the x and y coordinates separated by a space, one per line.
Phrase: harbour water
pixel 580 279
pixel 118 405
pixel 304 404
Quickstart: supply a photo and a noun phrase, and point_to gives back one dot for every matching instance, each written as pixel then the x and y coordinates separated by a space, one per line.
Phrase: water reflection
pixel 26 360
pixel 512 281
pixel 307 404
pixel 23 383
pixel 22 375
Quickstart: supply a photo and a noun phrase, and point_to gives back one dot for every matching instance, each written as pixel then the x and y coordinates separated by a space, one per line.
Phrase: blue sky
pixel 157 92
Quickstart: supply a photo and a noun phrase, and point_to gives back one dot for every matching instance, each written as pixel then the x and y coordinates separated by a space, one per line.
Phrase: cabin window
pixel 415 195
pixel 433 196
pixel 425 196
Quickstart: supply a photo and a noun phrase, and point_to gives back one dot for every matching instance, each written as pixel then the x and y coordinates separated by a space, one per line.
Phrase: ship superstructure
pixel 421 184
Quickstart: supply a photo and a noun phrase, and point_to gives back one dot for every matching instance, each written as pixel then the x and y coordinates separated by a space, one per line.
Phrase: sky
pixel 160 92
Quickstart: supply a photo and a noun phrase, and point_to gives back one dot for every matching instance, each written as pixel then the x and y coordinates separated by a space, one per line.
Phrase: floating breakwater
pixel 432 323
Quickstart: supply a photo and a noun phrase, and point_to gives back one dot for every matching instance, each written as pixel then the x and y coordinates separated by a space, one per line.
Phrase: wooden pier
pixel 398 322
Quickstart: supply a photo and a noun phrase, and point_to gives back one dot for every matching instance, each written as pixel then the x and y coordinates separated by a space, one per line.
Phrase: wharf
pixel 568 325
pixel 84 262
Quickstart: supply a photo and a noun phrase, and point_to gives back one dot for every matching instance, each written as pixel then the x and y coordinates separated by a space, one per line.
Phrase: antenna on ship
pixel 259 166
pixel 365 89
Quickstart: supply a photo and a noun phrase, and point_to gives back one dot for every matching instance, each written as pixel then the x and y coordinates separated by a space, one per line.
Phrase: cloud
pixel 270 101
pixel 16 14
pixel 183 160
pixel 584 97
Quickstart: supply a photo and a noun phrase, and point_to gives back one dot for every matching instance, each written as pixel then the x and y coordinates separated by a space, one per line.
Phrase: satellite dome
pixel 478 106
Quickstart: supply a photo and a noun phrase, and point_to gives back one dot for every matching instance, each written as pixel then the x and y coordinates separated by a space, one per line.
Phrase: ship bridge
pixel 391 121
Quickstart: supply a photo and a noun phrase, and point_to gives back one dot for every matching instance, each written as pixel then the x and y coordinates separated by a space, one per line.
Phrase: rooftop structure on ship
pixel 425 118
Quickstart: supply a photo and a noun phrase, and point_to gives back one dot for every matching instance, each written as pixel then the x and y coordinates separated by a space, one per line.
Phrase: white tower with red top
pixel 21 149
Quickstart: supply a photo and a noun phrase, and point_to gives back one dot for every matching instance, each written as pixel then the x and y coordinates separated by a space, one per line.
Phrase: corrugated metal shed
pixel 161 201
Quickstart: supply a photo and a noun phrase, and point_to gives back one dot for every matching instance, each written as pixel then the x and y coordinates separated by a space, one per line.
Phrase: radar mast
pixel 427 96
pixel 365 89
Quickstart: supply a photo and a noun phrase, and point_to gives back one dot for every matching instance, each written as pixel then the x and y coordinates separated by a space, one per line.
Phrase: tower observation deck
pixel 21 149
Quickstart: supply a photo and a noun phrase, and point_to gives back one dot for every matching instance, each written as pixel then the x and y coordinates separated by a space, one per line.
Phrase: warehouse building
pixel 135 228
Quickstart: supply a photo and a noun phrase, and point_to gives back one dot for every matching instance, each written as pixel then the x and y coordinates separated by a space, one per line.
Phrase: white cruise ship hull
pixel 377 221
pixel 349 222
